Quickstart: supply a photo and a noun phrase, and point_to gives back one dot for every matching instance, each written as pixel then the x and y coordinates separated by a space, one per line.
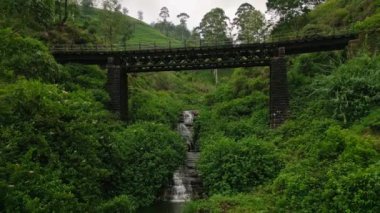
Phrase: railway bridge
pixel 120 61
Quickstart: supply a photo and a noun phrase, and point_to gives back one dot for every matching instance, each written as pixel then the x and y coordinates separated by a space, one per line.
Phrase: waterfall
pixel 186 183
pixel 180 192
pixel 188 117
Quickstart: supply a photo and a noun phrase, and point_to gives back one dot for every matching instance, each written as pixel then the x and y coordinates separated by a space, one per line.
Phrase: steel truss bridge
pixel 120 61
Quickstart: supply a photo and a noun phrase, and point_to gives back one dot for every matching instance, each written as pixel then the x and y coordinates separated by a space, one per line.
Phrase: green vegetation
pixel 229 166
pixel 140 31
pixel 326 157
pixel 61 149
pixel 329 150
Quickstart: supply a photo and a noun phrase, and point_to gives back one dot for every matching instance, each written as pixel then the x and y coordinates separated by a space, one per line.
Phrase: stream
pixel 186 183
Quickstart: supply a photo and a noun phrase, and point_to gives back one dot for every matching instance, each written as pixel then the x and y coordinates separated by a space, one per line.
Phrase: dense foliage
pixel 61 149
pixel 330 148
pixel 26 57
pixel 152 152
pixel 229 166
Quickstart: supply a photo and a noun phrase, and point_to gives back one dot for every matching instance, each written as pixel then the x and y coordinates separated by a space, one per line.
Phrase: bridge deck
pixel 196 58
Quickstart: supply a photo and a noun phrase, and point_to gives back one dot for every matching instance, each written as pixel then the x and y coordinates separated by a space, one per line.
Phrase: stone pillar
pixel 117 87
pixel 279 93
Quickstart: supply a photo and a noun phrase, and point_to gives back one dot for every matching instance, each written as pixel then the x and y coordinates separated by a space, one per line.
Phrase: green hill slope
pixel 329 150
pixel 141 32
pixel 60 147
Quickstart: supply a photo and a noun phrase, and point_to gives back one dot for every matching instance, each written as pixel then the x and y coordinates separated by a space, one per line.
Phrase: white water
pixel 181 189
pixel 180 193
pixel 186 134
pixel 185 129
pixel 188 117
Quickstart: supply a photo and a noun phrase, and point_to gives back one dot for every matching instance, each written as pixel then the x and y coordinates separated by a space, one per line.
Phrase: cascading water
pixel 179 191
pixel 186 183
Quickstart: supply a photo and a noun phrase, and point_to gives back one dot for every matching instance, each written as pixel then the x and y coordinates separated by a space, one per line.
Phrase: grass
pixel 142 33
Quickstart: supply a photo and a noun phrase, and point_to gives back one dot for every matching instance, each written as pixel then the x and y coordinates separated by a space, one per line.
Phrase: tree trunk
pixel 66 13
pixel 216 76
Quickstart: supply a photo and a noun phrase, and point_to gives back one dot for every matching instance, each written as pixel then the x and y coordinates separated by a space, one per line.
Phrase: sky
pixel 195 8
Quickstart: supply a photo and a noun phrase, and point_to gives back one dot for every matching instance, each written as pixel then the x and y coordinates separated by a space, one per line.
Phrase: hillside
pixel 62 150
pixel 141 32
pixel 60 147
pixel 326 157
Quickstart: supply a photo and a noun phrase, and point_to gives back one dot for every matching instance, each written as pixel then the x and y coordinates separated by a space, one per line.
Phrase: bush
pixel 242 107
pixel 357 191
pixel 90 78
pixel 353 90
pixel 314 30
pixel 62 149
pixel 28 57
pixel 149 158
pixel 231 167
pixel 324 179
pixel 148 105
pixel 118 204
pixel 370 23
pixel 52 147
pixel 311 65
pixel 235 203
pixel 369 124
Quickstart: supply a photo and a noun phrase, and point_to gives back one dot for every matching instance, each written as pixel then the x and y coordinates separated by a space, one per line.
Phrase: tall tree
pixel 164 14
pixel 286 9
pixel 125 11
pixel 111 5
pixel 29 13
pixel 87 3
pixel 65 8
pixel 140 15
pixel 250 23
pixel 214 26
pixel 112 19
pixel 183 17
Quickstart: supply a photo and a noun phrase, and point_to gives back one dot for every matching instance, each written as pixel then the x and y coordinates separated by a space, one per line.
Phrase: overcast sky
pixel 195 8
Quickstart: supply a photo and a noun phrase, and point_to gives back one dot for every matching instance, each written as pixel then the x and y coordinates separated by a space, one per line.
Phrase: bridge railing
pixel 195 43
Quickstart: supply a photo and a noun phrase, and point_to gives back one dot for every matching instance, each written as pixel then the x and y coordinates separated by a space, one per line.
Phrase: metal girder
pixel 196 58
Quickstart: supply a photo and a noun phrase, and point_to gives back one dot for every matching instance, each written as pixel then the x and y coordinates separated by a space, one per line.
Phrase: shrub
pixel 369 124
pixel 90 78
pixel 353 90
pixel 149 158
pixel 314 64
pixel 28 57
pixel 324 179
pixel 314 30
pixel 235 203
pixel 62 149
pixel 148 105
pixel 241 107
pixel 231 167
pixel 358 191
pixel 370 23
pixel 118 204
pixel 52 147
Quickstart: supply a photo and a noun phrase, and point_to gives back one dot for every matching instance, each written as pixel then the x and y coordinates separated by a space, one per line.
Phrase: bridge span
pixel 121 61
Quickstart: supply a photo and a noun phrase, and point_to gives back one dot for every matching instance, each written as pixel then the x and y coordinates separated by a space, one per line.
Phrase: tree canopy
pixel 289 8
pixel 164 14
pixel 250 23
pixel 183 18
pixel 213 26
pixel 140 15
